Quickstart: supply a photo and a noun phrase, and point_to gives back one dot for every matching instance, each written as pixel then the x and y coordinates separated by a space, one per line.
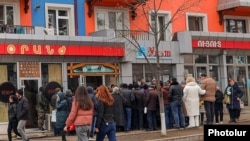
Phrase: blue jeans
pixel 168 117
pixel 128 116
pixel 92 131
pixel 151 116
pixel 177 111
pixel 109 130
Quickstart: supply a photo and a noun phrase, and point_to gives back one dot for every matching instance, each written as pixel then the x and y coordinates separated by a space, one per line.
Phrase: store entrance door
pixel 30 88
pixel 94 81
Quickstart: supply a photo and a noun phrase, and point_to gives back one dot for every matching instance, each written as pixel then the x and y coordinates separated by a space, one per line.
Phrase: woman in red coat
pixel 81 114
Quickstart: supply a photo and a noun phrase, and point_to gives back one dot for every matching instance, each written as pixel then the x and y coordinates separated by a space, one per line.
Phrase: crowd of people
pixel 106 110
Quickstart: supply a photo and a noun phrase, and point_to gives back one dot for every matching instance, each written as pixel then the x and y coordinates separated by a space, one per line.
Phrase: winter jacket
pixel 219 96
pixel 139 99
pixel 129 96
pixel 165 91
pixel 79 116
pixel 105 114
pixel 175 92
pixel 12 111
pixel 209 85
pixel 118 110
pixel 236 93
pixel 61 111
pixel 152 100
pixel 23 109
pixel 191 98
pixel 90 90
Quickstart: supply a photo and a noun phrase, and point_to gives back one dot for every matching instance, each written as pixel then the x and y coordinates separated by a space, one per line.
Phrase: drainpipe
pixel 76 17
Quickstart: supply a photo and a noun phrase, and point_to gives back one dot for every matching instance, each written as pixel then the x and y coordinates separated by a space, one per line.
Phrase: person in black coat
pixel 235 94
pixel 218 106
pixel 118 110
pixel 12 114
pixel 22 113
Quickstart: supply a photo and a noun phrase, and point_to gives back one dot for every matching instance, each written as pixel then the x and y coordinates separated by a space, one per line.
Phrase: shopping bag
pixel 226 99
pixel 53 116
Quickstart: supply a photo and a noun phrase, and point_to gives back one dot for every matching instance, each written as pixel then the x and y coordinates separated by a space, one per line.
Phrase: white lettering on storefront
pixel 209 44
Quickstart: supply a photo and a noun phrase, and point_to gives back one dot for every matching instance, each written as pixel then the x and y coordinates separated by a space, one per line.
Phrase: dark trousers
pixel 209 108
pixel 218 110
pixel 233 113
pixel 12 126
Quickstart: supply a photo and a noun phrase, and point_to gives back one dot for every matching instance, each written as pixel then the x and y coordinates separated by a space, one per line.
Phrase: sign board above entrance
pixel 35 49
pixel 221 44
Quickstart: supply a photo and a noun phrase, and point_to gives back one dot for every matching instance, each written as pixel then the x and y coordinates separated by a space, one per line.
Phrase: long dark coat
pixel 236 92
pixel 62 111
pixel 118 108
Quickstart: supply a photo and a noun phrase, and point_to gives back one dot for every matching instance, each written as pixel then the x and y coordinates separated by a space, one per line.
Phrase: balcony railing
pixel 132 34
pixel 17 29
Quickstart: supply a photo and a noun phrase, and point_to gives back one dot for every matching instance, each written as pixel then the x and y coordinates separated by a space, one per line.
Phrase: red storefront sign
pixel 221 44
pixel 24 49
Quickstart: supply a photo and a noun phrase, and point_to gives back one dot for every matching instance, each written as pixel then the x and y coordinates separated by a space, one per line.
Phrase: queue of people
pixel 107 110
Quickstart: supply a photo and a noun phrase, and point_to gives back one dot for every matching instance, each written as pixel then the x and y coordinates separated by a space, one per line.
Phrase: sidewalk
pixel 142 135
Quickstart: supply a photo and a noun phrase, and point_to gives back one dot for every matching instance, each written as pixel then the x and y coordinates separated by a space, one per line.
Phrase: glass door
pixel 30 88
pixel 200 70
pixel 241 80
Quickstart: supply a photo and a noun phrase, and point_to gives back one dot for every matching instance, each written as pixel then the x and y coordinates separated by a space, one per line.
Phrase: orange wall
pixel 206 7
pixel 25 18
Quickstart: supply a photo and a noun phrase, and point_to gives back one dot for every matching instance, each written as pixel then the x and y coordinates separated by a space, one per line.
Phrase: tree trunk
pixel 161 105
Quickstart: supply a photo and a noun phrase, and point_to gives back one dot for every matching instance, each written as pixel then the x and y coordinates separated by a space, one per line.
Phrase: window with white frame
pixel 60 19
pixel 158 22
pixel 196 22
pixel 7 14
pixel 107 18
pixel 236 25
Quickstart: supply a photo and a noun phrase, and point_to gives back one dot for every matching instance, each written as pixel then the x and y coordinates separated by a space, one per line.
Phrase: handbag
pixel 226 99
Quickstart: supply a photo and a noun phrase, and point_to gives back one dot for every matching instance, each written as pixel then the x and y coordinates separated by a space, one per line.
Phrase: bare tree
pixel 148 8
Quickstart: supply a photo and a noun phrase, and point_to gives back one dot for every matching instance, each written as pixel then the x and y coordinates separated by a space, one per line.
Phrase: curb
pixel 195 137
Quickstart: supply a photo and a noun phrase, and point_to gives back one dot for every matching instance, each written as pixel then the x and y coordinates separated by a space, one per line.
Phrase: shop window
pixel 158 22
pixel 200 59
pixel 213 72
pixel 248 59
pixel 60 19
pixel 240 60
pixel 51 72
pixel 213 59
pixel 236 25
pixel 8 74
pixel 195 23
pixel 137 70
pixel 188 71
pixel 229 59
pixel 107 18
pixel 230 72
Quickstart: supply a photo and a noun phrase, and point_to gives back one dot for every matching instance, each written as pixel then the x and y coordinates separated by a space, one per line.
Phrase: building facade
pixel 90 42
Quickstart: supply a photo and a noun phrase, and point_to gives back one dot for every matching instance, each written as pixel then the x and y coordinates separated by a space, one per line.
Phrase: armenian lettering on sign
pixel 29 69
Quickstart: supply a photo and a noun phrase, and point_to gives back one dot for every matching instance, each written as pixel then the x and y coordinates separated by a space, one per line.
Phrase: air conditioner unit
pixel 49 31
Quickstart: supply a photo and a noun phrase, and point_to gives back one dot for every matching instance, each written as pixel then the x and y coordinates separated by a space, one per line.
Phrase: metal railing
pixel 17 29
pixel 132 34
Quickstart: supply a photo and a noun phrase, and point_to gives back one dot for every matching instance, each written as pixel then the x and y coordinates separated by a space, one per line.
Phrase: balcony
pixel 17 29
pixel 132 34
pixel 128 34
pixel 229 4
